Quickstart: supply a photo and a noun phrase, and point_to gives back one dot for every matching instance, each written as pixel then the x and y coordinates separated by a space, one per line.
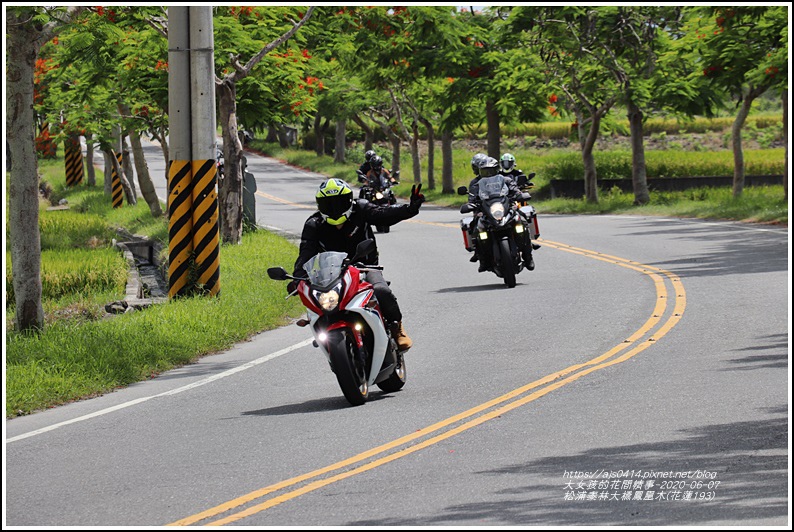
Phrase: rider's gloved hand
pixel 292 286
pixel 417 198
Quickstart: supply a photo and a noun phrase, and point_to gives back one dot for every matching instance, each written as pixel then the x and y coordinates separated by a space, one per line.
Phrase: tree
pixel 28 28
pixel 230 192
pixel 744 50
pixel 570 41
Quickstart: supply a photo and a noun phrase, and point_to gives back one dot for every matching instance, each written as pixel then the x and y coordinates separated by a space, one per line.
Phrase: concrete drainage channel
pixel 146 283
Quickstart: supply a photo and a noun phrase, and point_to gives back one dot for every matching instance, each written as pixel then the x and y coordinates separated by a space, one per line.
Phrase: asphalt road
pixel 638 377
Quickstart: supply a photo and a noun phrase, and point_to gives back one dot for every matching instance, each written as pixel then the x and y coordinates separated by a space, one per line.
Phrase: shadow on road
pixel 730 250
pixel 314 405
pixel 750 459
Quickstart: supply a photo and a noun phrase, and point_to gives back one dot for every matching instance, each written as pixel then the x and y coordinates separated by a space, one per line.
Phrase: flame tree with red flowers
pixel 744 50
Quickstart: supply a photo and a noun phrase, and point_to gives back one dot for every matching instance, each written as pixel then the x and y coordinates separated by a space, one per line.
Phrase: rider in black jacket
pixel 340 224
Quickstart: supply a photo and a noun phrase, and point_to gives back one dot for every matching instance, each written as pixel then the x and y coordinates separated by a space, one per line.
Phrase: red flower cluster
pixel 161 65
pixel 553 99
pixel 712 71
pixel 45 146
pixel 772 71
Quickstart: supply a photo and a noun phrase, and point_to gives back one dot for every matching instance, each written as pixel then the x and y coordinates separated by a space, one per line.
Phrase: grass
pixel 82 353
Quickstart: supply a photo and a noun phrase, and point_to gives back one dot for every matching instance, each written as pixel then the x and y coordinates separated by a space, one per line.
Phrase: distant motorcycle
pixel 379 191
pixel 503 229
pixel 347 322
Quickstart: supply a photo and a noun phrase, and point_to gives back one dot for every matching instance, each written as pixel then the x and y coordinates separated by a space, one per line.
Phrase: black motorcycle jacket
pixel 319 236
pixel 512 188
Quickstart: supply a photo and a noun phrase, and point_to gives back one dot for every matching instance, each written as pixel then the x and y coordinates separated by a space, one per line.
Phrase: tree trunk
pixel 129 173
pixel 23 202
pixel 447 183
pixel 369 135
pixel 272 136
pixel 319 136
pixel 590 175
pixel 142 169
pixel 494 134
pixel 90 171
pixel 283 140
pixel 415 160
pixel 144 178
pixel 129 196
pixel 431 154
pixel 108 171
pixel 230 194
pixel 339 145
pixel 785 143
pixel 639 173
pixel 736 144
pixel 395 153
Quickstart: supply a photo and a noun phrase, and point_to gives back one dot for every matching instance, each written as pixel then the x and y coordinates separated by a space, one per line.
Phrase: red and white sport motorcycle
pixel 347 323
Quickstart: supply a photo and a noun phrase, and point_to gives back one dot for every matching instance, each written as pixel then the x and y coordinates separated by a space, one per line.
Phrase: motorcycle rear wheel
pixel 352 382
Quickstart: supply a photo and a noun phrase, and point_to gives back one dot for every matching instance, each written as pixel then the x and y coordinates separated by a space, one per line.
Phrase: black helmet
pixel 335 201
pixel 369 154
pixel 476 161
pixel 376 163
pixel 489 167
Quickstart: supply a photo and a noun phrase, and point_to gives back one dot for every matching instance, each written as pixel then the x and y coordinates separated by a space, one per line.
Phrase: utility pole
pixel 192 175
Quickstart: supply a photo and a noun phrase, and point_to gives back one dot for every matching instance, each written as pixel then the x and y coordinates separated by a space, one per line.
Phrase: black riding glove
pixel 292 286
pixel 417 198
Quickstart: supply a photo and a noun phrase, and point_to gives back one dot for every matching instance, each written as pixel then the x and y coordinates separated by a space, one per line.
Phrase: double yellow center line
pixel 650 332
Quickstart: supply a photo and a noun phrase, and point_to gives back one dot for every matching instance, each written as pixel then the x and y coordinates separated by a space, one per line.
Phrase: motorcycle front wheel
pixel 352 380
pixel 506 264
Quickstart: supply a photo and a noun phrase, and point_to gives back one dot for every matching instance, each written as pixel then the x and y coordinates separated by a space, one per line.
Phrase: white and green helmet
pixel 508 162
pixel 335 201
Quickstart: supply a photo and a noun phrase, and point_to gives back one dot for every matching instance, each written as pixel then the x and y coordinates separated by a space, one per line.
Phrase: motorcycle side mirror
pixel 364 248
pixel 462 191
pixel 522 181
pixel 466 208
pixel 278 273
pixel 531 175
pixel 396 174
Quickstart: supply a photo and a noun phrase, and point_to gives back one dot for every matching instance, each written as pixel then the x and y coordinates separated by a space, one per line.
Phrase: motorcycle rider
pixel 376 169
pixel 489 167
pixel 365 166
pixel 340 224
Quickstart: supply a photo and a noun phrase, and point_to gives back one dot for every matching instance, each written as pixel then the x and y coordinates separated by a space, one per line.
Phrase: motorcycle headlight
pixel 497 211
pixel 378 195
pixel 327 300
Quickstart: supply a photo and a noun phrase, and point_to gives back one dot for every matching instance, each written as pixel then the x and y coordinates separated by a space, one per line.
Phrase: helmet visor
pixel 335 206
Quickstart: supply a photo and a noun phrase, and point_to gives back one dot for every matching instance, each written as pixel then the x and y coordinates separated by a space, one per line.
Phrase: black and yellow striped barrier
pixel 73 159
pixel 205 225
pixel 180 227
pixel 116 192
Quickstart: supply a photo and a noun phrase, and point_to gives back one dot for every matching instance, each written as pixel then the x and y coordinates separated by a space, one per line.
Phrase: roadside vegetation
pixel 84 352
pixel 674 155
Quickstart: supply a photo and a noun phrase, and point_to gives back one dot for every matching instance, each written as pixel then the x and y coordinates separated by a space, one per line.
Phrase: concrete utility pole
pixel 192 176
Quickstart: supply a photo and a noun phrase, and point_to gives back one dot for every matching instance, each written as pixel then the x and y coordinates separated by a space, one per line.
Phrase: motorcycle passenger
pixel 490 167
pixel 507 166
pixel 340 224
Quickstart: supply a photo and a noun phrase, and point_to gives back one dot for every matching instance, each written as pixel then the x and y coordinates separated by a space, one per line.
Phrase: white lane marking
pixel 175 391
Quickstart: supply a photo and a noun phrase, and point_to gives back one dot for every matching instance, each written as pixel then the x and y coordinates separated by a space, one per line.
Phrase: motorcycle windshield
pixel 492 187
pixel 325 267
